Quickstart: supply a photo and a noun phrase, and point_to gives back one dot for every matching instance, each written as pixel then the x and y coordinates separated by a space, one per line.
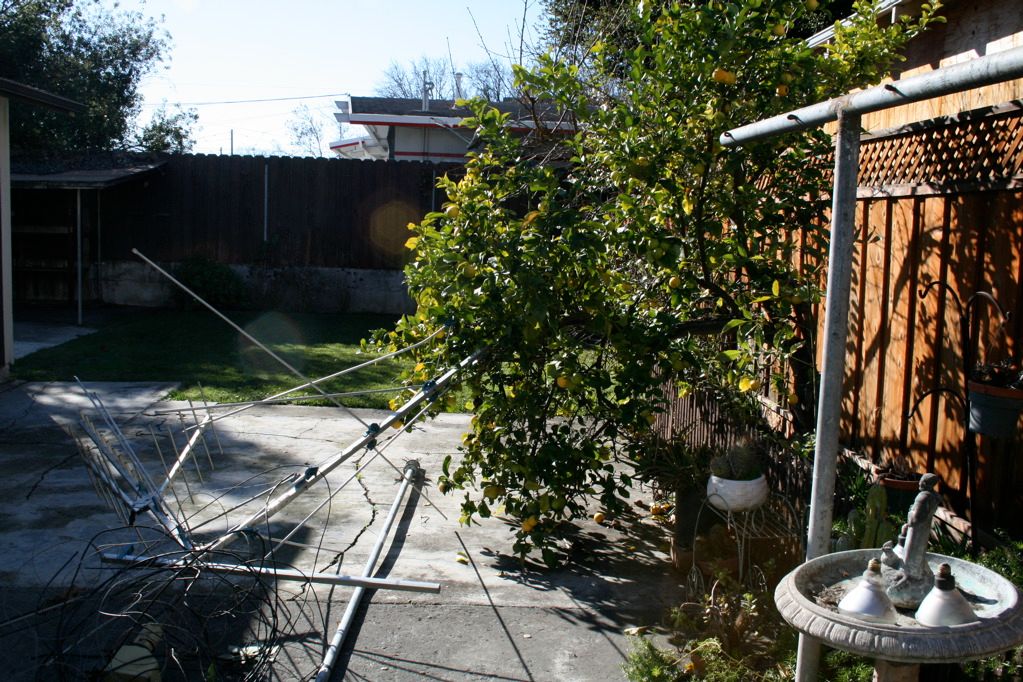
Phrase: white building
pixel 415 129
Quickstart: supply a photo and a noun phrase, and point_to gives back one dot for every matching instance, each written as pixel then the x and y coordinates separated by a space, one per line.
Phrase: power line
pixel 247 101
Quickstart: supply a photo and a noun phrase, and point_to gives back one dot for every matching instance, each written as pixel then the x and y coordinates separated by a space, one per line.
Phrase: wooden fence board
pixel 901 308
pixel 874 320
pixel 851 414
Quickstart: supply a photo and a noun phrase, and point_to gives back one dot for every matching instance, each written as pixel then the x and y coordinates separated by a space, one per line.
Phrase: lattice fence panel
pixel 972 151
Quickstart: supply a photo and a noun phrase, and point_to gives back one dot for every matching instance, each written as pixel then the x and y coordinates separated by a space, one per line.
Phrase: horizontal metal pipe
pixel 277 573
pixel 975 73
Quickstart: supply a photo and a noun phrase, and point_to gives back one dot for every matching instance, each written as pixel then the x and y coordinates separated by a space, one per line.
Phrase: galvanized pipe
pixel 836 328
pixel 975 73
pixel 412 470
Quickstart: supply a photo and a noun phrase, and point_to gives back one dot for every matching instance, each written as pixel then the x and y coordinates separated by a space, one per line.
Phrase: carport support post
pixel 836 329
pixel 6 262
pixel 78 250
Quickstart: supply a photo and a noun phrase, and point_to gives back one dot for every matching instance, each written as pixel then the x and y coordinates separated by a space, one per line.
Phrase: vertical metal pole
pixel 266 201
pixel 411 471
pixel 6 262
pixel 99 244
pixel 836 329
pixel 78 248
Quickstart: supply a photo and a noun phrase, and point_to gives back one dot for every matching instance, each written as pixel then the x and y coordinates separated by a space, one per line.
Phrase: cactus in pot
pixel 737 482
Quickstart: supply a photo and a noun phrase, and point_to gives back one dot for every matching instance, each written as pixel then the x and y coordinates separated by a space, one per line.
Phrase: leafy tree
pixel 168 131
pixel 82 51
pixel 590 269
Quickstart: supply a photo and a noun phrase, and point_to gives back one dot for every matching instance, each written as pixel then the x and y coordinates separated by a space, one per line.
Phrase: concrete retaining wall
pixel 305 289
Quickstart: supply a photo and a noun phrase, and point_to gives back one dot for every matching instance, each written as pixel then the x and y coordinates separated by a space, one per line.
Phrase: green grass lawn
pixel 195 347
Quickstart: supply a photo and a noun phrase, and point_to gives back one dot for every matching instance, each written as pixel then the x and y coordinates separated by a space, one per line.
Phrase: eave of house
pixel 827 34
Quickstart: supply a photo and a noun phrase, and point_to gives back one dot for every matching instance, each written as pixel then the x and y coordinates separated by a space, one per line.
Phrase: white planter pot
pixel 736 496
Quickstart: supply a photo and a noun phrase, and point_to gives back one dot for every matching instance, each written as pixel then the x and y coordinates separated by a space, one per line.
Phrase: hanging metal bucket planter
pixel 994 410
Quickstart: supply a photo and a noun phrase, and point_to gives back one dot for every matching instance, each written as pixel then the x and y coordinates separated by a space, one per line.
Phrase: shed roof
pixel 82 179
pixel 27 93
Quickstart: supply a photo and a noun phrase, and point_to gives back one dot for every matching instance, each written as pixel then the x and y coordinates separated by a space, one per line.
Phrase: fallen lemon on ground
pixel 599 517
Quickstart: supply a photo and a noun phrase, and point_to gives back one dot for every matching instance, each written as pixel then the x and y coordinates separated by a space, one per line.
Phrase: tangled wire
pixel 180 621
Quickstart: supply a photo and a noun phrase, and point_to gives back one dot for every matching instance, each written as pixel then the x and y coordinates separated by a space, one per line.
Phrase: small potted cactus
pixel 737 481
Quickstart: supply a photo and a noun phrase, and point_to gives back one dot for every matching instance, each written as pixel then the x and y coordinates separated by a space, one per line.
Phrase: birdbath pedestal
pixel 807 599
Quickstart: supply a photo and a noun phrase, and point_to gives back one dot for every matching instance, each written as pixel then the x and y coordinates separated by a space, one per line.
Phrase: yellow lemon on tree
pixel 564 381
pixel 453 212
pixel 723 76
pixel 529 524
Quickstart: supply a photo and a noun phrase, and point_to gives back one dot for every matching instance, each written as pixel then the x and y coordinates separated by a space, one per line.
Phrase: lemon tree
pixel 597 262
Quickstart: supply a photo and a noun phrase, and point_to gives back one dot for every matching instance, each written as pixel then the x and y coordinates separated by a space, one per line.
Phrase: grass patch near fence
pixel 195 347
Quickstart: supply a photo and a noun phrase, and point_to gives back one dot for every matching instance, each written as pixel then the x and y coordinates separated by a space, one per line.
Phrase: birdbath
pixel 807 599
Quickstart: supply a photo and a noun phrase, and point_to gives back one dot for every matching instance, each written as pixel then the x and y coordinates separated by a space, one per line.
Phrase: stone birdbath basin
pixel 807 599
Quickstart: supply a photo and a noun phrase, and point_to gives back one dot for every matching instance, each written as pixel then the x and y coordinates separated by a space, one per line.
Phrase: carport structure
pixel 18 91
pixel 57 231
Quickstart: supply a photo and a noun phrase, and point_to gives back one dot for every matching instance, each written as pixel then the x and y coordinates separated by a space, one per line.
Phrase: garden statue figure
pixel 911 584
pixel 920 517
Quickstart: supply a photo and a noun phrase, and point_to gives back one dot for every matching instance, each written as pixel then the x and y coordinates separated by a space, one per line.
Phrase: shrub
pixel 216 283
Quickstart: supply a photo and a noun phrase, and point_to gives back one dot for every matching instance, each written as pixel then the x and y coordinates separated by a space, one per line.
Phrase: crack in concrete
pixel 340 556
pixel 18 417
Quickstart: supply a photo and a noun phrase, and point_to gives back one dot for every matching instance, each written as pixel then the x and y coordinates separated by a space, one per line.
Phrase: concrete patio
pixel 493 618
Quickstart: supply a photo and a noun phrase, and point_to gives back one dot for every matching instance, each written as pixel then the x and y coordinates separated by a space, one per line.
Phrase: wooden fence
pixel 940 204
pixel 276 211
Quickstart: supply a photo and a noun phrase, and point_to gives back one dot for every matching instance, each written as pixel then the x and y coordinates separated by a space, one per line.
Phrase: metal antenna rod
pixel 314 474
pixel 335 375
pixel 247 335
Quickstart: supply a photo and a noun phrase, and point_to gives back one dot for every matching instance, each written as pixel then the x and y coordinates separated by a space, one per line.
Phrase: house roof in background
pixel 356 108
pixel 27 93
pixel 439 107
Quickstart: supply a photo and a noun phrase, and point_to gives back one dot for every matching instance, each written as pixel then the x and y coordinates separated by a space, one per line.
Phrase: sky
pixel 304 50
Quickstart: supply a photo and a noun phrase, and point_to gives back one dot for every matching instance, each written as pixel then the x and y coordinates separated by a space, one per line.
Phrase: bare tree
pixel 407 81
pixel 308 130
pixel 490 80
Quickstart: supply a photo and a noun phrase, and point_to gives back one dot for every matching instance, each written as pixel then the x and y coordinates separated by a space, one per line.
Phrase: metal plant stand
pixel 775 522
